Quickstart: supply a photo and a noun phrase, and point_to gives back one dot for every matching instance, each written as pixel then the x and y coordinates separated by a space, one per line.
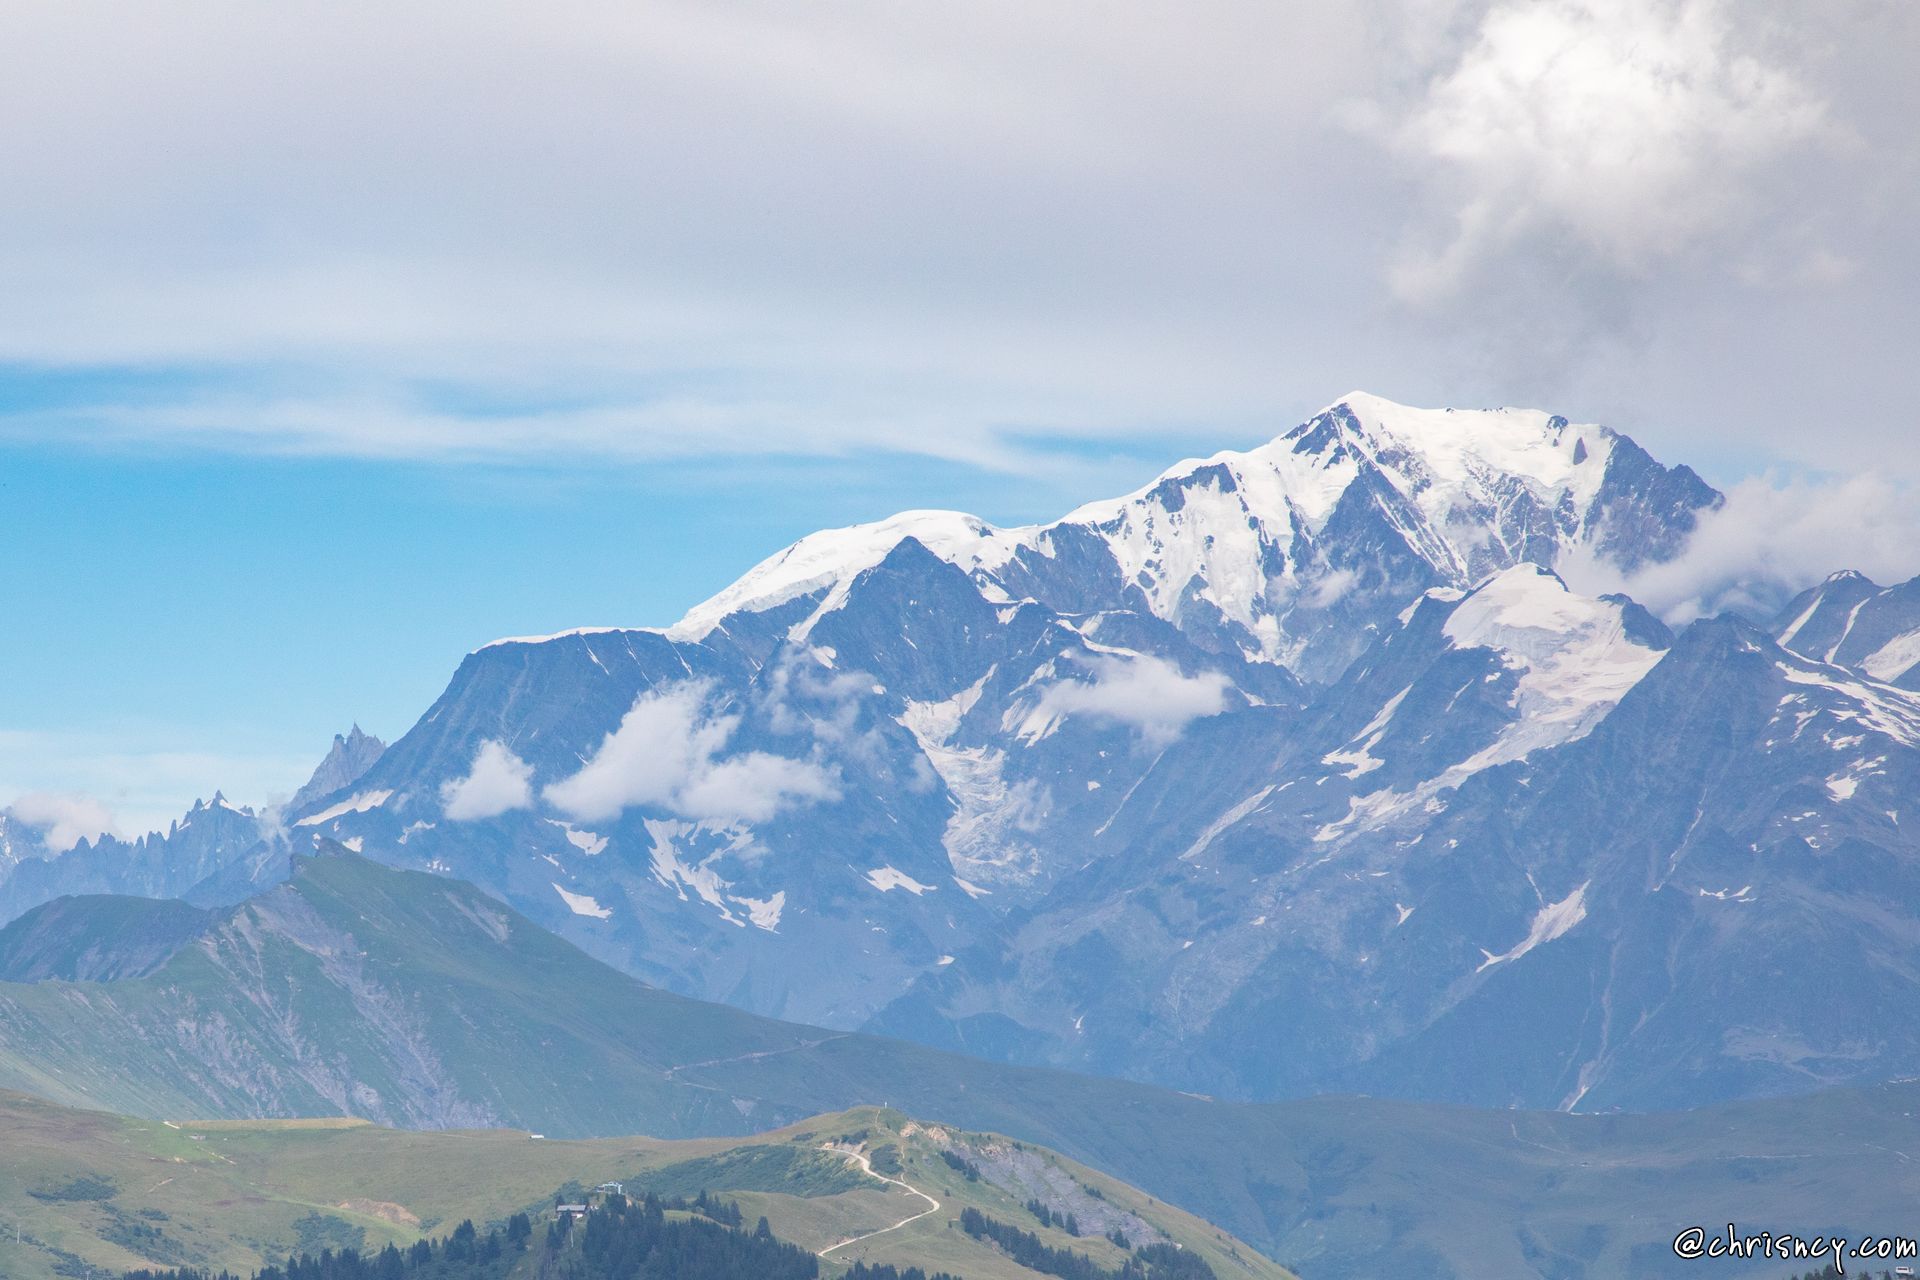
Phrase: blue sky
pixel 195 619
pixel 337 339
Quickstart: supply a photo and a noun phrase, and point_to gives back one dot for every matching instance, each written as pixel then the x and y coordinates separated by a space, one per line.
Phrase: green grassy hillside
pixel 96 938
pixel 91 1189
pixel 397 996
pixel 420 1002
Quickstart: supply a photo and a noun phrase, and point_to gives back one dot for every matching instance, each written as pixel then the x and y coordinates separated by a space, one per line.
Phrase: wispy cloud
pixel 1147 694
pixel 498 782
pixel 140 780
pixel 395 425
pixel 63 819
pixel 1775 536
pixel 686 230
pixel 668 754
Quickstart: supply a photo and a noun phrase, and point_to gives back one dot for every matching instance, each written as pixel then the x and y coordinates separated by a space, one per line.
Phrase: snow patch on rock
pixel 582 904
pixel 985 838
pixel 1550 922
pixel 360 803
pixel 888 878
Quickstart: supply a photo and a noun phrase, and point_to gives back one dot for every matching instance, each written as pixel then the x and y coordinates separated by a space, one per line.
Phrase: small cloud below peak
pixel 63 819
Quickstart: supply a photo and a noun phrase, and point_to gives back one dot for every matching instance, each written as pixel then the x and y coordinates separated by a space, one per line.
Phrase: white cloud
pixel 1144 692
pixel 1773 537
pixel 1626 129
pixel 499 781
pixel 666 754
pixel 149 775
pixel 1331 587
pixel 999 235
pixel 826 231
pixel 388 425
pixel 803 696
pixel 63 819
pixel 752 787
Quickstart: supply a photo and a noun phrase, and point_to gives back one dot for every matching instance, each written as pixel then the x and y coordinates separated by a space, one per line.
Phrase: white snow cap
pixel 1573 654
pixel 1230 509
pixel 1436 456
pixel 832 556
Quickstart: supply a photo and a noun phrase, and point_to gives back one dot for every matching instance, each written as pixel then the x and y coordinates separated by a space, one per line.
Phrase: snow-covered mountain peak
pixel 219 801
pixel 1309 467
pixel 1460 468
pixel 1855 622
pixel 1460 448
pixel 831 556
pixel 1289 551
pixel 550 636
pixel 1468 472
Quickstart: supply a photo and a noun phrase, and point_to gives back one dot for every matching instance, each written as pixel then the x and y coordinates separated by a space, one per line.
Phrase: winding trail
pixel 866 1166
pixel 670 1072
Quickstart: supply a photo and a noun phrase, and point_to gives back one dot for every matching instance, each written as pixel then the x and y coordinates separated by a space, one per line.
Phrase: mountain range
pixel 1301 769
pixel 357 990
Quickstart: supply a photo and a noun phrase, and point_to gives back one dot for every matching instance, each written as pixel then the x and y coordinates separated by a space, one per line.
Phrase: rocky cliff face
pixel 350 756
pixel 209 837
pixel 217 852
pixel 1854 622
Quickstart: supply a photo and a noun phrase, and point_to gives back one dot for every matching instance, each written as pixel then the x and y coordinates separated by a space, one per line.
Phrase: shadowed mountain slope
pixel 359 990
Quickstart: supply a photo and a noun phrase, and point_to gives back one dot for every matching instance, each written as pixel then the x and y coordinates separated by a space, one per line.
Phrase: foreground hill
pixel 116 1193
pixel 358 990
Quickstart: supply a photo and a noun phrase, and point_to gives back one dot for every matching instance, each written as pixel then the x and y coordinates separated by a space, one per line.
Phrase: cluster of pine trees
pixel 636 1239
pixel 1150 1262
pixel 961 1165
pixel 622 1239
pixel 887 1271
pixel 724 1212
pixel 1048 1218
pixel 464 1253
